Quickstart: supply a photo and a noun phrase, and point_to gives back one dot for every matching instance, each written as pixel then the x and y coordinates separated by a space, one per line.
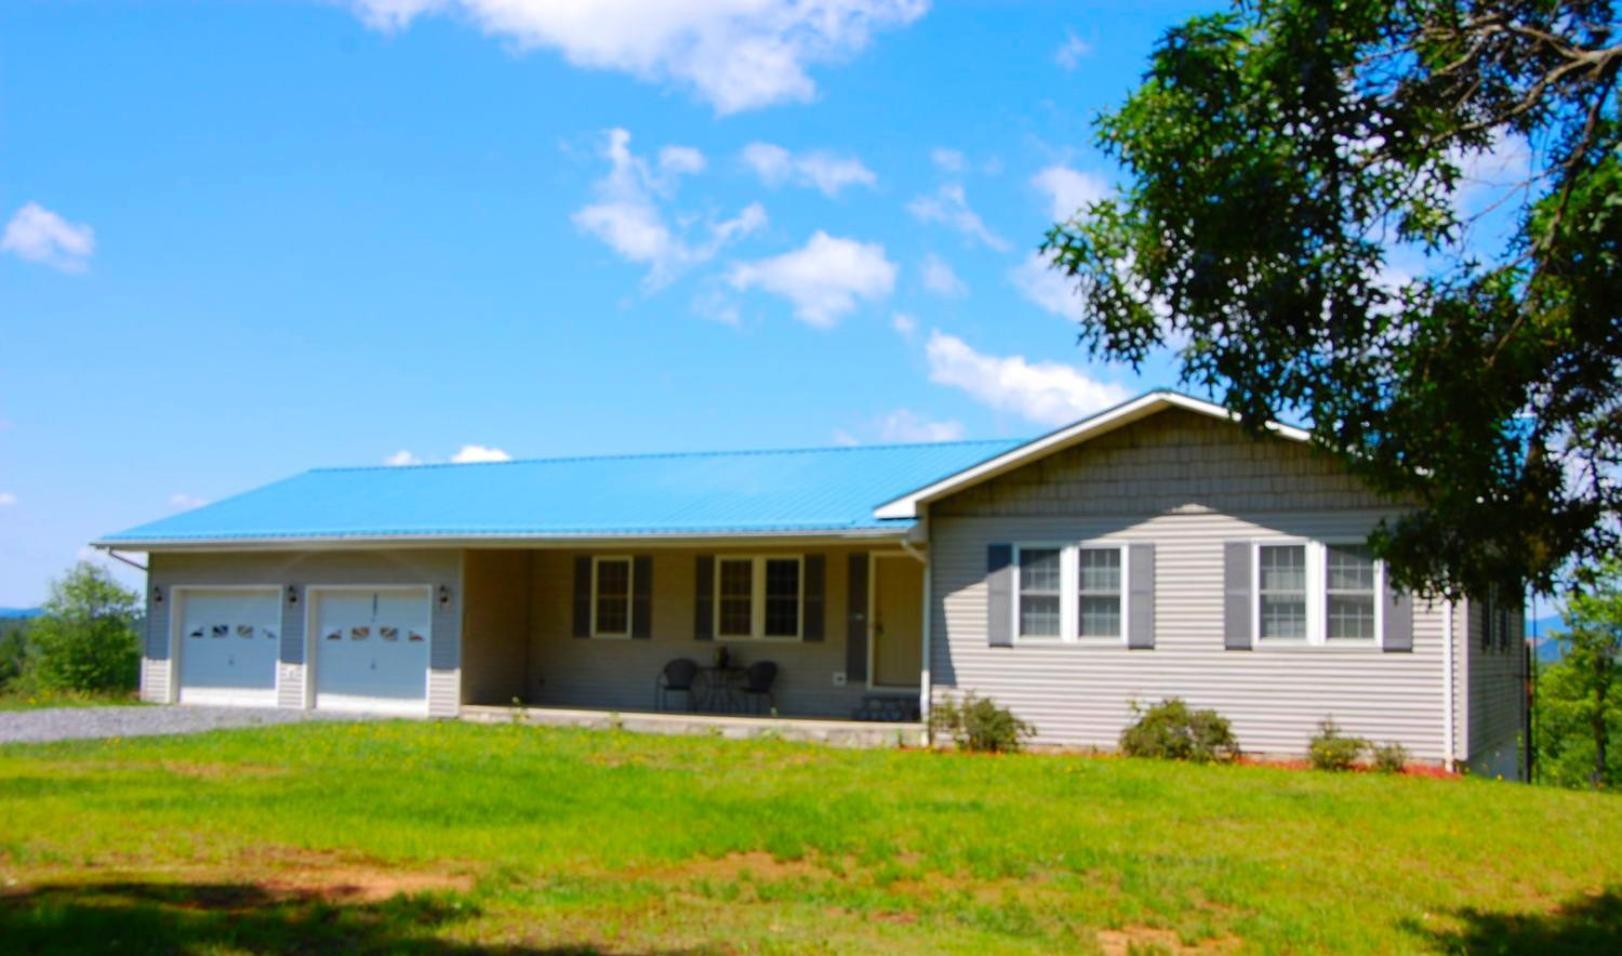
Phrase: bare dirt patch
pixel 1140 939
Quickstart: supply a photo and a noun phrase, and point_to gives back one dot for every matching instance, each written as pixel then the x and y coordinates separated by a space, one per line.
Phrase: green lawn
pixel 39 700
pixel 522 839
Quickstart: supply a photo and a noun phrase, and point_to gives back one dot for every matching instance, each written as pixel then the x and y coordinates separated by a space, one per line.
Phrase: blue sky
pixel 243 239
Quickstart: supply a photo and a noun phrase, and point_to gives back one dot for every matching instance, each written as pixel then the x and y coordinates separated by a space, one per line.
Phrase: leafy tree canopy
pixel 87 639
pixel 1278 154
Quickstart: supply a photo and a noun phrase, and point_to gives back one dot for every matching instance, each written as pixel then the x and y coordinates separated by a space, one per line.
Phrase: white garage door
pixel 371 650
pixel 228 645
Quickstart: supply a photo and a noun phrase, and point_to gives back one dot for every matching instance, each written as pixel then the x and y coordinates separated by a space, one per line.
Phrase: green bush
pixel 87 639
pixel 13 651
pixel 978 724
pixel 1170 731
pixel 1390 758
pixel 1333 750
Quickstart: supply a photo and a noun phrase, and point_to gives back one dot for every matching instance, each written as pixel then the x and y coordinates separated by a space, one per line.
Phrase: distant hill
pixel 20 612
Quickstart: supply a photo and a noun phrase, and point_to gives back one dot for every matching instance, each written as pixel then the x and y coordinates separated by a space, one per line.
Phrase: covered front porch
pixel 734 637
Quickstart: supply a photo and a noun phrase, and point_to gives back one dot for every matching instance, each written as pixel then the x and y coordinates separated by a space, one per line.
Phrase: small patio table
pixel 715 689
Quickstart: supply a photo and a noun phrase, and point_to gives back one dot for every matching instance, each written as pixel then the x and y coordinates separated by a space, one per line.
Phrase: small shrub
pixel 978 724
pixel 1333 750
pixel 1390 758
pixel 1171 731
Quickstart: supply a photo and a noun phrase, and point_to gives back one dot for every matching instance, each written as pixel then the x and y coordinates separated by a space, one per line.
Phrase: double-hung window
pixel 611 597
pixel 759 597
pixel 1349 592
pixel 1098 593
pixel 1070 593
pixel 1311 592
pixel 1041 592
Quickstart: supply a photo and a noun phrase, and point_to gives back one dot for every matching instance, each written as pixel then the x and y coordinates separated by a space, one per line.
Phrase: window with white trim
pixel 1315 592
pixel 1070 592
pixel 759 597
pixel 1041 592
pixel 1100 593
pixel 1281 591
pixel 1350 590
pixel 611 597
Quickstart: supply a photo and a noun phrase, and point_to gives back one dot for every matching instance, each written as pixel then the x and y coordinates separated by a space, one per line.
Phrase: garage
pixel 371 649
pixel 228 644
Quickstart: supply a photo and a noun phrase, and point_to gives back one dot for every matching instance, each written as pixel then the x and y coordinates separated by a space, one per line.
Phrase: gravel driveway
pixel 69 723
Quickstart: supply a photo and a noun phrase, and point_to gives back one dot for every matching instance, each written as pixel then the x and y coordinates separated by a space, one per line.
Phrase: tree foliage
pixel 87 639
pixel 1278 154
pixel 1579 699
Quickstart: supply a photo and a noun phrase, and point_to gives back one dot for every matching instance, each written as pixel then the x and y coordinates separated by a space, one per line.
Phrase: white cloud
pixel 940 279
pixel 1051 393
pixel 7 499
pixel 627 215
pixel 1486 177
pixel 949 206
pixel 1047 287
pixel 824 278
pixel 905 425
pixel 681 160
pixel 402 458
pixel 186 502
pixel 845 439
pixel 905 325
pixel 35 234
pixel 735 54
pixel 828 172
pixel 948 160
pixel 470 454
pixel 1068 190
pixel 1072 51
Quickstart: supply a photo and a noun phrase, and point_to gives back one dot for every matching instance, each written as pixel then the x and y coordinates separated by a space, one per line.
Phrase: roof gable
pixel 907 506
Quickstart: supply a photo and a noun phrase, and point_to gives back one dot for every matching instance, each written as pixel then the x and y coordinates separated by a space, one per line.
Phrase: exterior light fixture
pixel 292 594
pixel 444 596
pixel 157 594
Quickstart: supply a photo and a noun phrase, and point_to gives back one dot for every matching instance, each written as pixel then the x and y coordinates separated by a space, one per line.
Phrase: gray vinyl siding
pixel 1186 484
pixel 1497 696
pixel 304 569
pixel 619 674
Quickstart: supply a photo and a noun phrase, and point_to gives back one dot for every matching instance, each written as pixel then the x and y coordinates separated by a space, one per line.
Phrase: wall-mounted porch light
pixel 292 594
pixel 444 596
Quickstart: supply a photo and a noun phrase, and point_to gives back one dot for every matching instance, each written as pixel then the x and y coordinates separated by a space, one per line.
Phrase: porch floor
pixel 843 733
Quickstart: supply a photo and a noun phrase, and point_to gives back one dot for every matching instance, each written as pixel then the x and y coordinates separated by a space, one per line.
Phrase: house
pixel 1149 551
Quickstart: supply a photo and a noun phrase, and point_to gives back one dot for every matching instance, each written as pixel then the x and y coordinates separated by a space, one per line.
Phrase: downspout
pixel 921 530
pixel 1448 695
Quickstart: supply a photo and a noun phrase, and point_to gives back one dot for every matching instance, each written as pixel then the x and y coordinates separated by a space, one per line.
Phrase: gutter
pixel 499 540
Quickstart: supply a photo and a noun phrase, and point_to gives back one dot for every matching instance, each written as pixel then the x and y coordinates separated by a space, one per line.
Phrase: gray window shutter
pixel 816 573
pixel 704 598
pixel 1399 620
pixel 1140 614
pixel 1000 595
pixel 856 619
pixel 1236 616
pixel 642 597
pixel 582 595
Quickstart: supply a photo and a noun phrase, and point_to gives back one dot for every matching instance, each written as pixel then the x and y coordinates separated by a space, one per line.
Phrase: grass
pixel 39 700
pixel 529 840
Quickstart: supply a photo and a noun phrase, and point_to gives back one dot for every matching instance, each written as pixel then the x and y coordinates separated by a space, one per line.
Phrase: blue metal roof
pixel 790 492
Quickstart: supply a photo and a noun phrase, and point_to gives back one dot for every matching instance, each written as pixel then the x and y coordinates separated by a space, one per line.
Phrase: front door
pixel 898 621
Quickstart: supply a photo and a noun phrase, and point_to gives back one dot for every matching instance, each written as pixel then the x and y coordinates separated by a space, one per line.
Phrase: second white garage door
pixel 371 649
